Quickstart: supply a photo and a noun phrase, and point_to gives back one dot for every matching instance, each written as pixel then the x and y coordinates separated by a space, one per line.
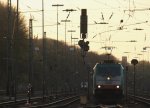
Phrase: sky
pixel 132 16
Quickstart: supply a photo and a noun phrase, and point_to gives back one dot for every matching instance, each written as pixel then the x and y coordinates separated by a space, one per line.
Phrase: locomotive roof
pixel 109 61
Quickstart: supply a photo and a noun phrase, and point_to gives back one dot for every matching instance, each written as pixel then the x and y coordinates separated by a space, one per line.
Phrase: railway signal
pixel 81 43
pixel 84 45
pixel 83 24
pixel 134 62
pixel 83 31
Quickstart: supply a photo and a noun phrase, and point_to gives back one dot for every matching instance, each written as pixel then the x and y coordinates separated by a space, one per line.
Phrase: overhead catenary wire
pixel 106 7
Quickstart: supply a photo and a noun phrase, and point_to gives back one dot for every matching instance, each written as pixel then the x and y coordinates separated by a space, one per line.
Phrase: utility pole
pixel 15 73
pixel 65 31
pixel 44 36
pixel 44 65
pixel 10 84
pixel 8 48
pixel 67 10
pixel 126 75
pixel 71 34
pixel 74 54
pixel 30 75
pixel 57 5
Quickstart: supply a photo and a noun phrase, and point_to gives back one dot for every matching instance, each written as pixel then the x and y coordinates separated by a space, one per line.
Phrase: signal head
pixel 81 43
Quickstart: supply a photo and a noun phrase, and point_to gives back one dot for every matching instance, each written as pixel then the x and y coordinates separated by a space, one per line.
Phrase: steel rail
pixel 57 102
pixel 141 99
pixel 105 106
pixel 67 103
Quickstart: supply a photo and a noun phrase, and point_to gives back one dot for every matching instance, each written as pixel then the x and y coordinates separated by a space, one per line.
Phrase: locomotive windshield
pixel 108 71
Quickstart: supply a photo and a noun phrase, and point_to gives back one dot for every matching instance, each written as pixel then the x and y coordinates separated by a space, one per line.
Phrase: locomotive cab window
pixel 108 71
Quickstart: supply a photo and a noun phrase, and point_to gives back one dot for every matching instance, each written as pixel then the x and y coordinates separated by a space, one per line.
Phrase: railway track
pixel 18 102
pixel 143 100
pixel 105 106
pixel 59 103
pixel 38 99
pixel 140 102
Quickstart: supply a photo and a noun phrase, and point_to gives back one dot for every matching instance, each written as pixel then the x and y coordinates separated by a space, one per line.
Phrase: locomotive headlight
pixel 117 86
pixel 108 78
pixel 99 86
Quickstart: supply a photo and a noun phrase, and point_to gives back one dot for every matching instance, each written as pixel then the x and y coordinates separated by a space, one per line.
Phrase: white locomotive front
pixel 108 81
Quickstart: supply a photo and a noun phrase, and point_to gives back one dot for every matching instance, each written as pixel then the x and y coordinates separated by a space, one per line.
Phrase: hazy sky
pixel 114 12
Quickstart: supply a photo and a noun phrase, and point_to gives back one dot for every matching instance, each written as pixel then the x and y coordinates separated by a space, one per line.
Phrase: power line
pixel 133 10
pixel 31 11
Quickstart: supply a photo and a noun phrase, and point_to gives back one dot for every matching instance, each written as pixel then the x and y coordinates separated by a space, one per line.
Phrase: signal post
pixel 84 45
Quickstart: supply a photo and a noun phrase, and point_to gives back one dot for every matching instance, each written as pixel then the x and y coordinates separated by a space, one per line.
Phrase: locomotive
pixel 108 81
